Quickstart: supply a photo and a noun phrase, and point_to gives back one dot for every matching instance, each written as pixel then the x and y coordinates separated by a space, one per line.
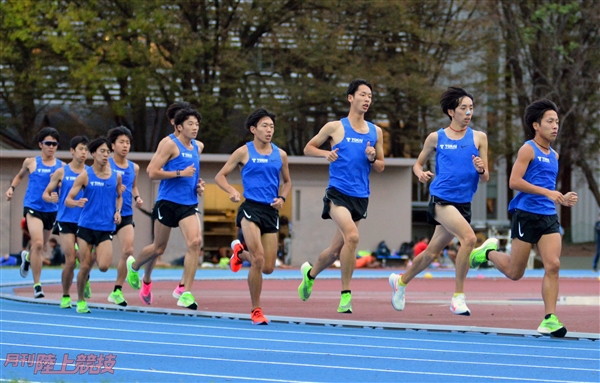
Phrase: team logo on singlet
pixel 543 159
pixel 70 178
pixel 448 146
pixel 186 155
pixel 44 170
pixel 260 160
pixel 97 183
pixel 353 140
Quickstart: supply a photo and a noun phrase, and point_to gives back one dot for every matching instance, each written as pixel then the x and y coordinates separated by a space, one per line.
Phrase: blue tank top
pixel 456 178
pixel 181 190
pixel 127 178
pixel 38 181
pixel 65 213
pixel 260 175
pixel 542 172
pixel 99 211
pixel 350 172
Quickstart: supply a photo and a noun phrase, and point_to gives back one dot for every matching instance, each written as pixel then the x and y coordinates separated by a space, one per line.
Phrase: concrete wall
pixel 389 214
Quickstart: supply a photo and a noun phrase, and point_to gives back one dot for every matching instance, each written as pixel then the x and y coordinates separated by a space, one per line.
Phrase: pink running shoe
pixel 235 262
pixel 178 291
pixel 146 293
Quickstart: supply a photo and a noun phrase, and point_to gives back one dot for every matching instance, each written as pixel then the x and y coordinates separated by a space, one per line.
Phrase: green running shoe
pixel 553 327
pixel 87 292
pixel 117 297
pixel 187 300
pixel 82 307
pixel 132 276
pixel 65 303
pixel 306 285
pixel 477 256
pixel 345 306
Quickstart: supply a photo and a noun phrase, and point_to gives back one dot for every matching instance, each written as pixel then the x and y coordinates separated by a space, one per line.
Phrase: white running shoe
pixel 458 305
pixel 398 300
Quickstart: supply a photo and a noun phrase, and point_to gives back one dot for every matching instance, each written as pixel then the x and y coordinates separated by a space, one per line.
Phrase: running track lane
pixel 172 348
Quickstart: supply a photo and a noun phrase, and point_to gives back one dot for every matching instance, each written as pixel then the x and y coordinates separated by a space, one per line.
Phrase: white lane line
pixel 280 341
pixel 304 365
pixel 279 331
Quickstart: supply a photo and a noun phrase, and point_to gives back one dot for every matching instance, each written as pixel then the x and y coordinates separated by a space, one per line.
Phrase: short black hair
pixel 95 144
pixel 78 140
pixel 115 133
pixel 353 86
pixel 451 99
pixel 534 113
pixel 45 132
pixel 256 116
pixel 182 115
pixel 176 107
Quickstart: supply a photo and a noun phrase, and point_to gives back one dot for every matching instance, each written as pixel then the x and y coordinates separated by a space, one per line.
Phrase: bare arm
pixel 49 194
pixel 119 202
pixel 428 148
pixel 287 181
pixel 19 177
pixel 379 163
pixel 240 156
pixel 168 152
pixel 481 162
pixel 80 182
pixel 134 189
pixel 326 133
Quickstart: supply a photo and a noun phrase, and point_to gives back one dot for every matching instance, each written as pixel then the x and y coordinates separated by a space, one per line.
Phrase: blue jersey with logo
pixel 98 213
pixel 541 171
pixel 38 181
pixel 65 213
pixel 181 190
pixel 350 172
pixel 127 178
pixel 456 178
pixel 260 175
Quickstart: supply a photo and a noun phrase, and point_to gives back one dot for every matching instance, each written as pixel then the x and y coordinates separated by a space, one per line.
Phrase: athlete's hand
pixel 188 172
pixel 234 196
pixel 333 155
pixel 81 202
pixel 570 199
pixel 277 203
pixel 117 217
pixel 556 196
pixel 123 188
pixel 425 176
pixel 54 197
pixel 370 152
pixel 9 193
pixel 200 187
pixel 138 202
pixel 478 163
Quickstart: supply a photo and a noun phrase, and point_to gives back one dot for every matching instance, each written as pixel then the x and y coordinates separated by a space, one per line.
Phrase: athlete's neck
pixel 542 143
pixel 99 168
pixel 76 165
pixel 48 158
pixel 457 128
pixel 357 120
pixel 119 159
pixel 187 142
pixel 262 146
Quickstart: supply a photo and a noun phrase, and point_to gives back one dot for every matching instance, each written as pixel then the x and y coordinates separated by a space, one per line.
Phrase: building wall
pixel 389 214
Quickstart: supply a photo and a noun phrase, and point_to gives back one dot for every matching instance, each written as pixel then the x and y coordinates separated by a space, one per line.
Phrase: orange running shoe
pixel 258 317
pixel 235 261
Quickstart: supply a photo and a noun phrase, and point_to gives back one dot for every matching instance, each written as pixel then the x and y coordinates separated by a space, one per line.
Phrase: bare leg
pixel 512 265
pixel 152 251
pixel 550 248
pixel 192 234
pixel 86 261
pixel 104 255
pixel 329 255
pixel 126 237
pixel 67 244
pixel 440 239
pixel 39 237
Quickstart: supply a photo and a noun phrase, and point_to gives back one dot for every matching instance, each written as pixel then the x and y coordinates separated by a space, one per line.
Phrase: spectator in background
pixel 597 255
pixel 58 257
pixel 420 246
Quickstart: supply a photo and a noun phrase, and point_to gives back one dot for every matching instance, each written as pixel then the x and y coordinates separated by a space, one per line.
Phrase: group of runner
pixel 87 205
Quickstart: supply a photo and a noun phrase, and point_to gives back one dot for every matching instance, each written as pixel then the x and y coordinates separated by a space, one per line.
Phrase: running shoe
pixel 258 317
pixel 146 293
pixel 117 297
pixel 37 291
pixel 87 291
pixel 345 306
pixel 552 326
pixel 236 262
pixel 65 303
pixel 82 307
pixel 132 276
pixel 478 257
pixel 306 285
pixel 398 300
pixel 24 263
pixel 187 300
pixel 178 291
pixel 458 305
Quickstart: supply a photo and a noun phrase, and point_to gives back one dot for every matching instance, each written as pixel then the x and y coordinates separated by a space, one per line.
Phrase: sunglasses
pixel 50 143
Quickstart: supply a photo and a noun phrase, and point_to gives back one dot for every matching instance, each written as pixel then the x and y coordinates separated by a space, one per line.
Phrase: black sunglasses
pixel 50 143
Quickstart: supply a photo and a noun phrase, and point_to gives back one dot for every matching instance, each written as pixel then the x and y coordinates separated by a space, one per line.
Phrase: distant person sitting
pixel 365 258
pixel 420 246
pixel 58 257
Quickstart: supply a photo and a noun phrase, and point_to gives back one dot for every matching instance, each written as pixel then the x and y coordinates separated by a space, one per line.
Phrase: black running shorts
pixel 264 216
pixel 463 208
pixel 357 206
pixel 530 227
